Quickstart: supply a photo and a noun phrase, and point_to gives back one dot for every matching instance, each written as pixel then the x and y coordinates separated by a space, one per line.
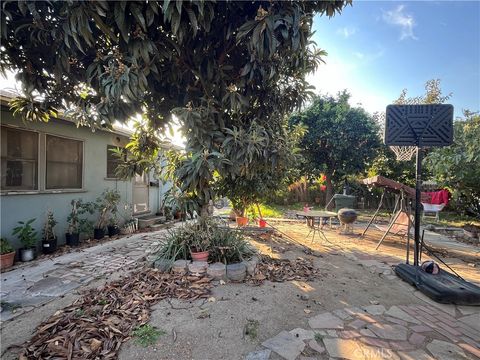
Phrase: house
pixel 44 166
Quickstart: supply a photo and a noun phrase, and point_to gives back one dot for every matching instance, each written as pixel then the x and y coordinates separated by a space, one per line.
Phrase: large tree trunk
pixel 329 191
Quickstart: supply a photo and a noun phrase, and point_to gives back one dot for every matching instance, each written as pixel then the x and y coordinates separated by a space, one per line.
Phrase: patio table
pixel 312 215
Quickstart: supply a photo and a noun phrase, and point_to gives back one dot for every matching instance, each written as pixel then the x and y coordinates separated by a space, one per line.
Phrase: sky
pixel 378 48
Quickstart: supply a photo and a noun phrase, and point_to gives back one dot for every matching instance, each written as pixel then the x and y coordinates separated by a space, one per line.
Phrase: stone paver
pixel 355 350
pixel 472 321
pixel 390 332
pixel 442 350
pixel 259 355
pixel 414 355
pixel 316 346
pixel 395 311
pixel 286 345
pixel 42 281
pixel 325 321
pixel 375 309
pixel 302 334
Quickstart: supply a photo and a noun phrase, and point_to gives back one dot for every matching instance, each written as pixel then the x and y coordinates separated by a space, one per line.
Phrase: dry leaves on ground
pixel 96 325
pixel 280 270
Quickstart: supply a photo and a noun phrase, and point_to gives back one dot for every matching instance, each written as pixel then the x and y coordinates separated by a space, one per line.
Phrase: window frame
pixel 106 164
pixel 42 165
pixel 38 187
pixel 82 187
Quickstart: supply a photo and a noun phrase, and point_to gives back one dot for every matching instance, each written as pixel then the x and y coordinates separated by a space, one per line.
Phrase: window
pixel 19 159
pixel 113 161
pixel 64 159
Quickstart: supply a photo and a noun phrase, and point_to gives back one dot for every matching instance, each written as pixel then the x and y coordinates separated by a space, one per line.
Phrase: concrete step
pixel 149 220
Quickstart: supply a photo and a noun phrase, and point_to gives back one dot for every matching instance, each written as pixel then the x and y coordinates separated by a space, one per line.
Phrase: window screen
pixel 64 163
pixel 112 161
pixel 19 159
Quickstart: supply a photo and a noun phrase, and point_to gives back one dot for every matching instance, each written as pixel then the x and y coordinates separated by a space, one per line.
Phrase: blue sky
pixel 378 48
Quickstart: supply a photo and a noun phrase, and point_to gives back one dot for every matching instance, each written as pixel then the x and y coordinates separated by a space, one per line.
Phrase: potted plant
pixel 49 242
pixel 77 225
pixel 197 238
pixel 112 227
pixel 72 236
pixel 28 237
pixel 7 256
pixel 106 204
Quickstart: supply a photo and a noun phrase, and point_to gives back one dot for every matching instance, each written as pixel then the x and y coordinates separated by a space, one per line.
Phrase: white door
pixel 140 194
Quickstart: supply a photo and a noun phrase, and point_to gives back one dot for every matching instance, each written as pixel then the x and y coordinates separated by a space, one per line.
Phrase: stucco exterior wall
pixel 21 207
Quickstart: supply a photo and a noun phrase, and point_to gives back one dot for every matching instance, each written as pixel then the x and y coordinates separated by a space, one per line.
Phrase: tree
pixel 458 166
pixel 261 179
pixel 339 140
pixel 222 67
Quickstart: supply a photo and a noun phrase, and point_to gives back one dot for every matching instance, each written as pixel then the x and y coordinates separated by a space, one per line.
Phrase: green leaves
pixel 216 65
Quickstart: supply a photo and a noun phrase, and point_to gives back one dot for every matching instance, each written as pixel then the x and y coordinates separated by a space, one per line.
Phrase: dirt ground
pixel 215 329
pixel 276 306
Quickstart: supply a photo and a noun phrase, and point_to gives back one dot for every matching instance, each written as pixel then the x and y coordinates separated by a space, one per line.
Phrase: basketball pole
pixel 418 195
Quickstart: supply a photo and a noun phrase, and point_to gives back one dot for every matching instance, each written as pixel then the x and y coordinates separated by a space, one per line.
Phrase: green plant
pixel 174 247
pixel 76 224
pixel 229 246
pixel 318 337
pixel 147 335
pixel 5 247
pixel 251 329
pixel 107 206
pixel 48 230
pixel 26 234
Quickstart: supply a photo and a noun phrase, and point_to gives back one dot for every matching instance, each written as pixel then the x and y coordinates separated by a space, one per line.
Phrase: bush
pixel 230 246
pixel 223 243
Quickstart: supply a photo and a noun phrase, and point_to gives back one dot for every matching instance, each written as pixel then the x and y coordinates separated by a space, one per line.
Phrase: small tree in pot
pixel 28 237
pixel 105 205
pixel 77 225
pixel 49 242
pixel 7 256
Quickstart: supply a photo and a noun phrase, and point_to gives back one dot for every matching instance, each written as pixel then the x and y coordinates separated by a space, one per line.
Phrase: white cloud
pixel 398 17
pixel 347 31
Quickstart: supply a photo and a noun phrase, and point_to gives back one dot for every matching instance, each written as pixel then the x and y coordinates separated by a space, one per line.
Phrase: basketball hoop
pixel 403 153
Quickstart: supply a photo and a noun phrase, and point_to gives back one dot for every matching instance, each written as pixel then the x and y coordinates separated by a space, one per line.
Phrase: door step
pixel 149 220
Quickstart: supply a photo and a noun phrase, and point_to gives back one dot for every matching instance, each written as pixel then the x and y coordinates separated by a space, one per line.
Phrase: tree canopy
pixel 227 69
pixel 458 166
pixel 339 139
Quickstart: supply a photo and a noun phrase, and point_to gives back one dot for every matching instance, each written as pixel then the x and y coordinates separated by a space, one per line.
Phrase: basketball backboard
pixel 419 125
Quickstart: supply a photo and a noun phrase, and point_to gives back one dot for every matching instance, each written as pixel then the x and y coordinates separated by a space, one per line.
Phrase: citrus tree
pixel 340 140
pixel 223 68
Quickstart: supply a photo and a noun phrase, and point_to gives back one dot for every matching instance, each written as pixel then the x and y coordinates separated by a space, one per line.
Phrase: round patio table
pixel 317 214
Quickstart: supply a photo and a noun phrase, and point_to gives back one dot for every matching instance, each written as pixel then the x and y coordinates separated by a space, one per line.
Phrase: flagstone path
pixel 28 287
pixel 373 332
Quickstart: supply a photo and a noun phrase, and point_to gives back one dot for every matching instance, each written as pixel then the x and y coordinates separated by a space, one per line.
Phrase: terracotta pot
pixel 199 256
pixel 6 260
pixel 262 223
pixel 242 221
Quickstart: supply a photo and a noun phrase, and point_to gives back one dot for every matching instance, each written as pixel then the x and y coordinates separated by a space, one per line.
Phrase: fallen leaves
pixel 278 270
pixel 96 325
